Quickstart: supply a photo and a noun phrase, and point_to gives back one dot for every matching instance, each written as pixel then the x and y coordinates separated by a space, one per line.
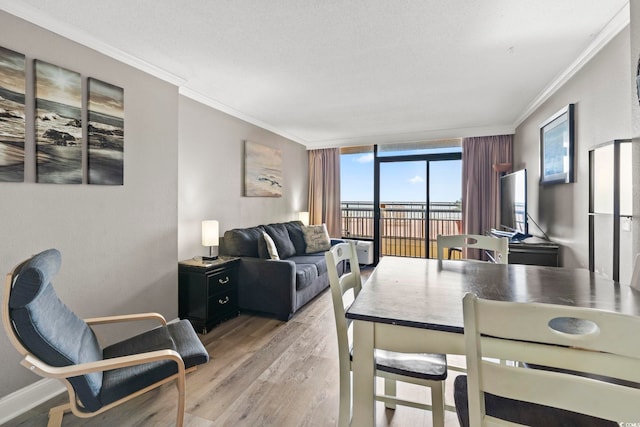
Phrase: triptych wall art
pixel 12 115
pixel 59 117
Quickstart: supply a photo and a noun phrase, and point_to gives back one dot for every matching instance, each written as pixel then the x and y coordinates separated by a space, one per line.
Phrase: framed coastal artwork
pixel 556 147
pixel 12 115
pixel 262 170
pixel 105 130
pixel 58 124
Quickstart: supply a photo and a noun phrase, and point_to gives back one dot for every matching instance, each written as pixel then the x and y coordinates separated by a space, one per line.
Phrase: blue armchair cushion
pixel 178 336
pixel 49 330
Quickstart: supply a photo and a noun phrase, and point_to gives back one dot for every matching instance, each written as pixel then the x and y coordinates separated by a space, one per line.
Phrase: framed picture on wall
pixel 58 94
pixel 12 115
pixel 106 133
pixel 262 170
pixel 556 147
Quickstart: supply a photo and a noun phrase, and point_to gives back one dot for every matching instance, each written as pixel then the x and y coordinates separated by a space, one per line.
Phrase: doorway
pixel 416 197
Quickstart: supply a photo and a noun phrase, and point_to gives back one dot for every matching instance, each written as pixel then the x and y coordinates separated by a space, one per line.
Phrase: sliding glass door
pixel 416 197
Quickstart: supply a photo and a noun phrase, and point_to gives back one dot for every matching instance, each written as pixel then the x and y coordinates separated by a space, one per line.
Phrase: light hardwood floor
pixel 263 372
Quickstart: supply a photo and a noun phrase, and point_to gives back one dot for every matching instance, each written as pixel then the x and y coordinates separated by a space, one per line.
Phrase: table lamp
pixel 304 217
pixel 210 237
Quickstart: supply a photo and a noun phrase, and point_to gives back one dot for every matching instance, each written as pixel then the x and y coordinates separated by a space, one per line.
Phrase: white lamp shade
pixel 210 233
pixel 304 217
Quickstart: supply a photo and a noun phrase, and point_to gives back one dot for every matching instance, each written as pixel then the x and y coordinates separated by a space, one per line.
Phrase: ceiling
pixel 349 72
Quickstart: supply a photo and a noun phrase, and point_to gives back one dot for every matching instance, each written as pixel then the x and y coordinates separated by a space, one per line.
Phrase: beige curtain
pixel 324 189
pixel 481 183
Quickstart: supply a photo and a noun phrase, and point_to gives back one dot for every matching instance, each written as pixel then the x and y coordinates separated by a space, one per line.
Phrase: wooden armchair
pixel 56 343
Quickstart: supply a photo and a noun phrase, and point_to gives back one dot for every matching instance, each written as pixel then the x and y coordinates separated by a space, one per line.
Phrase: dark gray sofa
pixel 278 287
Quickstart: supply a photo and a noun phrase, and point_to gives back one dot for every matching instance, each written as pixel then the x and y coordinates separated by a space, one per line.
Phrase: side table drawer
pixel 223 303
pixel 222 281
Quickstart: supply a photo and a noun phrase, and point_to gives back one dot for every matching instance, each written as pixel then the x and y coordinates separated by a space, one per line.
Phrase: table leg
pixel 363 374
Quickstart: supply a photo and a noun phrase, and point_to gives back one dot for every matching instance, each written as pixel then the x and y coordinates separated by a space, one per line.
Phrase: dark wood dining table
pixel 415 305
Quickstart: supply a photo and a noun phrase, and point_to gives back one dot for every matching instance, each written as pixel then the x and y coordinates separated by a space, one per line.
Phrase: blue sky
pixel 401 181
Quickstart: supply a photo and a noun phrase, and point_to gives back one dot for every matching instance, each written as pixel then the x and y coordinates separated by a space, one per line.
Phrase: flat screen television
pixel 513 205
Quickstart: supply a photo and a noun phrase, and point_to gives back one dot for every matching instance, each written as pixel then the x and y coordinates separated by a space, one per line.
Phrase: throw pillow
pixel 271 246
pixel 317 238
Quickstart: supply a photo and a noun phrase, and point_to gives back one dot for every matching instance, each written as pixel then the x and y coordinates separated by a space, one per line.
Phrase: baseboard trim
pixel 20 401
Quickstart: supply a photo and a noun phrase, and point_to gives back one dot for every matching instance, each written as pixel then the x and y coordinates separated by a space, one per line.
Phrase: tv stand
pixel 534 251
pixel 514 236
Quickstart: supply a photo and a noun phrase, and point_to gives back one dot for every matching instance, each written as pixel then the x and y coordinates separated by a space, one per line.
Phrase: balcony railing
pixel 402 225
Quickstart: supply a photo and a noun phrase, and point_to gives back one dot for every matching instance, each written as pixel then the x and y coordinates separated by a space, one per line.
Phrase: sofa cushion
pixel 316 259
pixel 317 238
pixel 296 235
pixel 280 236
pixel 243 241
pixel 305 275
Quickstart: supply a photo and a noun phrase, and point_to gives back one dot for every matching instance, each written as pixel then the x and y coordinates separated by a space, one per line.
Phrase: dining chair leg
pixel 390 390
pixel 437 403
pixel 344 411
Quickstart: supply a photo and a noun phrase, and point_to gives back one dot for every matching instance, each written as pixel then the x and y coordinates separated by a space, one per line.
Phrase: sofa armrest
pixel 267 285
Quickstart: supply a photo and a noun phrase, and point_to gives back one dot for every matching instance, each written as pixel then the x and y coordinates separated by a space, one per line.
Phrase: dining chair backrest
pixel 340 287
pixel 498 245
pixel 586 361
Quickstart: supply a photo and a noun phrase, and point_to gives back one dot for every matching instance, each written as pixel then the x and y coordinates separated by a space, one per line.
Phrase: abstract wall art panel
pixel 106 133
pixel 58 124
pixel 262 171
pixel 12 115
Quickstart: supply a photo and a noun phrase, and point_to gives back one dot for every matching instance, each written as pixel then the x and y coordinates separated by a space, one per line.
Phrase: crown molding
pixel 618 23
pixel 34 16
pixel 412 137
pixel 199 97
pixel 30 14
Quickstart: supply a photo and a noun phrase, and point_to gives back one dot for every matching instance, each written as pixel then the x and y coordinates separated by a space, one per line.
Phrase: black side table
pixel 208 291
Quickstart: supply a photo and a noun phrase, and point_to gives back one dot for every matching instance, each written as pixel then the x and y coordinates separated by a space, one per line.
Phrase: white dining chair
pixel 586 366
pixel 635 276
pixel 428 370
pixel 499 246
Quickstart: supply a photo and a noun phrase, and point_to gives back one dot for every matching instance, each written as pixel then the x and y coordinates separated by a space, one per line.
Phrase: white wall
pixel 601 93
pixel 210 185
pixel 635 115
pixel 118 243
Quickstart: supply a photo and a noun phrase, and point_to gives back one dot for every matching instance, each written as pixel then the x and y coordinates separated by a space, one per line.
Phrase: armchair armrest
pixel 45 370
pixel 126 318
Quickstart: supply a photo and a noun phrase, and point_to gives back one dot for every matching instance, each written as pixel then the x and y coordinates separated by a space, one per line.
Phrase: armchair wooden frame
pixel 63 373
